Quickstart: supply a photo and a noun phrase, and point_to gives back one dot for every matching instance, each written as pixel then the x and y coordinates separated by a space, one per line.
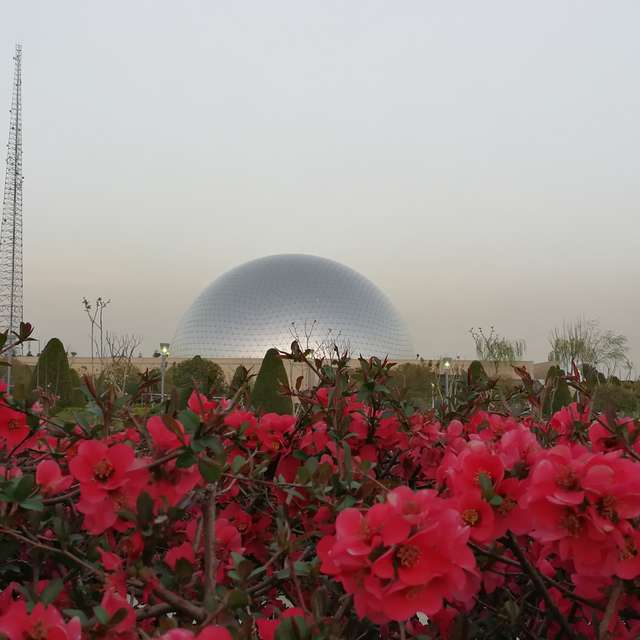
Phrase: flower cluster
pixel 360 516
pixel 401 557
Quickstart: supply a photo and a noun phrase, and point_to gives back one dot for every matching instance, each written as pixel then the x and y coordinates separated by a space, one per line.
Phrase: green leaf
pixel 347 502
pixel 302 568
pixel 128 515
pixel 77 613
pixel 101 614
pixel 190 421
pixel 24 487
pixel 348 465
pixel 209 470
pixel 118 617
pixel 51 591
pixel 485 484
pixel 237 598
pixel 183 570
pixel 186 459
pixel 32 504
pixel 293 629
pixel 144 506
pixel 209 442
pixel 237 464
pixel 496 500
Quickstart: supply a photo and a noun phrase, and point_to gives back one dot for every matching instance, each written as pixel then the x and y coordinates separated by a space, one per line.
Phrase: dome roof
pixel 271 301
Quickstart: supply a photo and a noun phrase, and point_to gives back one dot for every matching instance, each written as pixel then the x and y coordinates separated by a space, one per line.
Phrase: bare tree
pixel 323 347
pixel 583 341
pixel 121 349
pixel 95 313
pixel 491 347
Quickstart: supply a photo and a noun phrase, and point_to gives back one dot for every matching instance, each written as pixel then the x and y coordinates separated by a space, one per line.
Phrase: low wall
pixel 84 365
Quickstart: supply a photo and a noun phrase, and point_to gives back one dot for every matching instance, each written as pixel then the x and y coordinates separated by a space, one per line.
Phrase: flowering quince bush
pixel 360 517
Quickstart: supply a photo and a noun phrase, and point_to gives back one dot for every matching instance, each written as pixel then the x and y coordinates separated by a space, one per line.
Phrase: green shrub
pixel 20 380
pixel 52 373
pixel 267 393
pixel 207 376
pixel 617 396
pixel 240 380
pixel 415 381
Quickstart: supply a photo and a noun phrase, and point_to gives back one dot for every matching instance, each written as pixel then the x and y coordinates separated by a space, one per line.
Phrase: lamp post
pixel 164 354
pixel 446 363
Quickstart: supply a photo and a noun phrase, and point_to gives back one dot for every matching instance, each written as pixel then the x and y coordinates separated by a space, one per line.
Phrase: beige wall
pixel 84 365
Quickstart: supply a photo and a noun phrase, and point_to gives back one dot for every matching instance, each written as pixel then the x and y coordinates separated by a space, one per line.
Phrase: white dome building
pixel 271 301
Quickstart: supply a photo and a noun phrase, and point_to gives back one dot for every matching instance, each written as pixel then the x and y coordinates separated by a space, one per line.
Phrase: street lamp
pixel 164 354
pixel 446 363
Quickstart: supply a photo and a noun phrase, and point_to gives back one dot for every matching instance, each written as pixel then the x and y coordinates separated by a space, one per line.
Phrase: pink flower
pixel 212 632
pixel 478 515
pixel 267 628
pixel 101 469
pixel 43 622
pixel 50 478
pixel 113 602
pixel 13 426
pixel 200 404
pixel 166 433
pixel 183 551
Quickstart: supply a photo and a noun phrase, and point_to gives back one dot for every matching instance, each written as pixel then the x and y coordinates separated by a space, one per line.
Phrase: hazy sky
pixel 479 161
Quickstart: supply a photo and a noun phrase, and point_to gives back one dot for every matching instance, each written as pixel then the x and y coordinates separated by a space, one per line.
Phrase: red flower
pixel 50 478
pixel 474 464
pixel 101 469
pixel 13 426
pixel 113 602
pixel 628 565
pixel 267 628
pixel 477 515
pixel 200 404
pixel 183 551
pixel 401 557
pixel 271 430
pixel 165 438
pixel 43 623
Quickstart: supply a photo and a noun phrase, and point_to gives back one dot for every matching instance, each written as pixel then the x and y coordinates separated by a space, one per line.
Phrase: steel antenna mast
pixel 11 230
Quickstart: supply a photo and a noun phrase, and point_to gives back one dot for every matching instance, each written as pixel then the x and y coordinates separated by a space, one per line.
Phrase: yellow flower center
pixel 471 517
pixel 103 470
pixel 408 555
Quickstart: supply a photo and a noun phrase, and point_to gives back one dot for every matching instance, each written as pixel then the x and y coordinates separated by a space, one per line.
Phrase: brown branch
pixel 179 603
pixel 62 497
pixel 210 560
pixel 45 547
pixel 296 584
pixel 603 631
pixel 163 459
pixel 537 580
pixel 566 591
pixel 494 556
pixel 153 611
pixel 627 448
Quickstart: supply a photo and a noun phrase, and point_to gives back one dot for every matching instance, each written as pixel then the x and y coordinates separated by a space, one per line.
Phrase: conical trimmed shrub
pixel 239 380
pixel 52 372
pixel 267 393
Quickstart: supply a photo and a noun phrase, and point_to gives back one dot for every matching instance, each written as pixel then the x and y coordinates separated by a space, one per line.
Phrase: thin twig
pixel 46 547
pixel 603 631
pixel 210 559
pixel 179 603
pixel 153 611
pixel 532 572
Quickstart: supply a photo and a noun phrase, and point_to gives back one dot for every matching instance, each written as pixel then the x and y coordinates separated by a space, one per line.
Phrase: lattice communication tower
pixel 11 231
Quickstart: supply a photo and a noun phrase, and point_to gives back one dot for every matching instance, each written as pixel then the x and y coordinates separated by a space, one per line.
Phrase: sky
pixel 479 161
